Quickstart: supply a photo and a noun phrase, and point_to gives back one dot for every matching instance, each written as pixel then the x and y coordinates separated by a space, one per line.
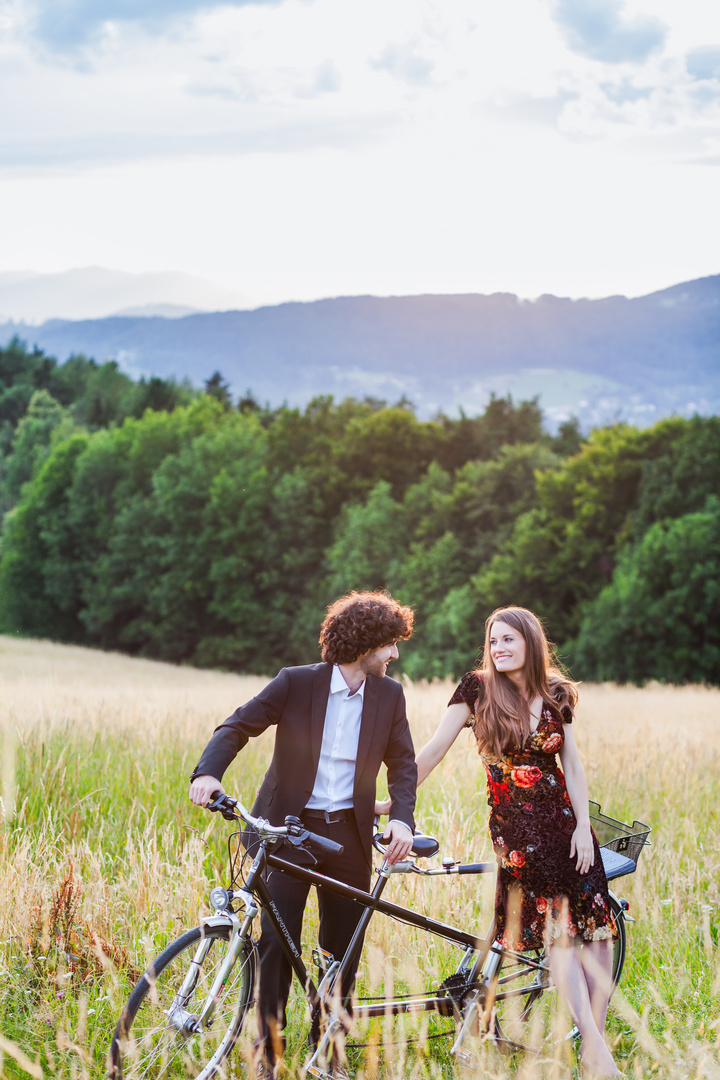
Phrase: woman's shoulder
pixel 468 691
pixel 563 697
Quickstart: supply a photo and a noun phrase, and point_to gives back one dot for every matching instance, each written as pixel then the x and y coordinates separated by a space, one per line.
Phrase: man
pixel 337 722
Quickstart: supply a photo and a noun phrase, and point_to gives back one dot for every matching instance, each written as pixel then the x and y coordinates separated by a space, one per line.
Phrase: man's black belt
pixel 330 816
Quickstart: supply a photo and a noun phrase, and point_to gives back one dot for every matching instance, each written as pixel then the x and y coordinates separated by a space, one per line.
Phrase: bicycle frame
pixel 370 901
pixel 476 949
pixel 473 971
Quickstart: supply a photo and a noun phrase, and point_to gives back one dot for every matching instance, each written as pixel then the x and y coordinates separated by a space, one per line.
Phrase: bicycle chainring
pixel 453 992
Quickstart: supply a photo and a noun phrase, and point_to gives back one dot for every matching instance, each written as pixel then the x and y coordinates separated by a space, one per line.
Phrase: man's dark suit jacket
pixel 296 701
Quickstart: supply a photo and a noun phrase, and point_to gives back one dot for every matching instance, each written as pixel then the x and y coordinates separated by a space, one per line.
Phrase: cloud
pixel 61 153
pixel 624 92
pixel 704 62
pixel 599 29
pixel 63 25
pixel 533 110
pixel 327 80
pixel 402 62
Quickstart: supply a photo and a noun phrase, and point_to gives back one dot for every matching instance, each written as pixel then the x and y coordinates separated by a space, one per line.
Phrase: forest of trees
pixel 166 522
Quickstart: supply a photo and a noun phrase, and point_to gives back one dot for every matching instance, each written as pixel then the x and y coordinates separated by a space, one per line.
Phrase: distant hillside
pixel 600 359
pixel 93 292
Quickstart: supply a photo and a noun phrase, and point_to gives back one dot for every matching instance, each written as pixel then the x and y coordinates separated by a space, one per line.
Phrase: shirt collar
pixel 338 684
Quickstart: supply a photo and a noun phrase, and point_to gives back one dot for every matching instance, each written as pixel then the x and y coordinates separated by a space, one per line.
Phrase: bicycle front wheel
pixel 155 1037
pixel 526 1016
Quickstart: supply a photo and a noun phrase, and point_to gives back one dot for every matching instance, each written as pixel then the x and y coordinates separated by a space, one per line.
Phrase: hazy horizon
pixel 30 297
pixel 299 149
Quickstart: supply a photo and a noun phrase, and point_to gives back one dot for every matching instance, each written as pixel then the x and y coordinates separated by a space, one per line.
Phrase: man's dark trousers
pixel 295 703
pixel 338 920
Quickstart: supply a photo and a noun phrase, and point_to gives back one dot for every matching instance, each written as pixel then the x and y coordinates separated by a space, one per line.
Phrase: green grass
pixel 103 861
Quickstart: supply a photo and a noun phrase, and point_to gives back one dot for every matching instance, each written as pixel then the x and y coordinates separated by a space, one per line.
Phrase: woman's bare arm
pixel 432 753
pixel 581 844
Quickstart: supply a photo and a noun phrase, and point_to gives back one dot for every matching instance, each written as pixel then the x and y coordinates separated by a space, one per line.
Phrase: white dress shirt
pixel 335 778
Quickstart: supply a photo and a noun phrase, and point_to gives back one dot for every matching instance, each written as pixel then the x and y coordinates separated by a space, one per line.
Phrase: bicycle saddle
pixel 423 846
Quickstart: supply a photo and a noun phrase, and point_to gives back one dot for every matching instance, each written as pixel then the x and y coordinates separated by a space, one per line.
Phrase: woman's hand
pixel 382 808
pixel 581 845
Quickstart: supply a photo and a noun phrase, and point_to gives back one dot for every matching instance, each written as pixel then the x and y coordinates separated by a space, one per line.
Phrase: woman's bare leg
pixel 568 973
pixel 596 960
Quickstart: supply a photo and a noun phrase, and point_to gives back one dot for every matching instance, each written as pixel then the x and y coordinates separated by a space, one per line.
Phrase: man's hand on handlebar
pixel 203 788
pixel 401 842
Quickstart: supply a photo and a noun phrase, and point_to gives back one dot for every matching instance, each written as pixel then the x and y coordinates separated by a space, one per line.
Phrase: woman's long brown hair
pixel 502 719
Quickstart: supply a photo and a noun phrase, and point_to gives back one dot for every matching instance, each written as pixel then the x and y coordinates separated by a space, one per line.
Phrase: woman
pixel 551 884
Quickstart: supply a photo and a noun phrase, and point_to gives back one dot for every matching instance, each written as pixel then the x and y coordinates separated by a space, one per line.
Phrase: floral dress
pixel 540 894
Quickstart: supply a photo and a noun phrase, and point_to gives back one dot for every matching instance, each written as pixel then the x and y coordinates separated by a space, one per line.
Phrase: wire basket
pixel 626 840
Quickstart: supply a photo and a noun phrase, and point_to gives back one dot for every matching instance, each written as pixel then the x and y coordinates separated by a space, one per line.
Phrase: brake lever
pixel 220 805
pixel 297 833
pixel 297 839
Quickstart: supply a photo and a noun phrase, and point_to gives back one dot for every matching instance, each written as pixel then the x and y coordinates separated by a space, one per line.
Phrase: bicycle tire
pixel 146 1045
pixel 524 1012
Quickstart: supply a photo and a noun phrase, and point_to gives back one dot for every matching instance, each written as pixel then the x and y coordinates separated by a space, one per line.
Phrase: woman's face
pixel 507 648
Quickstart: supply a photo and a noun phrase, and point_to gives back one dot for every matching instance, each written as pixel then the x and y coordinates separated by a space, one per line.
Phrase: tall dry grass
pixel 103 860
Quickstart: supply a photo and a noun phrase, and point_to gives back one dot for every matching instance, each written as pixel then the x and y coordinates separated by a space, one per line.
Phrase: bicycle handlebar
pixel 322 843
pixel 232 809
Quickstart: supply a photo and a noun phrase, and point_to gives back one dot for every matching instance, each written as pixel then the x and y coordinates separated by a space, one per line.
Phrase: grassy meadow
pixel 104 860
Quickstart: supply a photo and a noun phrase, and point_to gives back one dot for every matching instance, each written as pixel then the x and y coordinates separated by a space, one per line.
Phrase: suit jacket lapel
pixel 367 723
pixel 320 693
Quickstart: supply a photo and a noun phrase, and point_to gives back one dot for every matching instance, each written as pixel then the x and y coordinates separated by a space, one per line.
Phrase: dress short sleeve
pixel 467 693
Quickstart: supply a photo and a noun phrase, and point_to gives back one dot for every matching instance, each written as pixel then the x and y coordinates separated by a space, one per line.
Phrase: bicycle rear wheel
pixel 525 1012
pixel 154 1039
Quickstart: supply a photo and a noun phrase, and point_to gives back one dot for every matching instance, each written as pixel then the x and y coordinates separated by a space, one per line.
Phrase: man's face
pixel 376 661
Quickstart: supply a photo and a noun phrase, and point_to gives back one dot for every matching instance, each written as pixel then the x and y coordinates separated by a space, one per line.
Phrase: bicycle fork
pixel 185 1022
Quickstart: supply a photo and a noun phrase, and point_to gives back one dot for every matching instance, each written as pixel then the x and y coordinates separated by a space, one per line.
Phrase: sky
pixel 297 149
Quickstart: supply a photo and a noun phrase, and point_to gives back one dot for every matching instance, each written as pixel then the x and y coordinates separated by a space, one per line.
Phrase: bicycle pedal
pixel 322 959
pixel 466 1060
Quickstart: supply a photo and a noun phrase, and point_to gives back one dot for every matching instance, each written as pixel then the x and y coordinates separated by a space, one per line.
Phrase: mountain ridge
pixel 634 358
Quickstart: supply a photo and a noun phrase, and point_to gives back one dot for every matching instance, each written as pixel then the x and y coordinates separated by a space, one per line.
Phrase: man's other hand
pixel 203 788
pixel 401 841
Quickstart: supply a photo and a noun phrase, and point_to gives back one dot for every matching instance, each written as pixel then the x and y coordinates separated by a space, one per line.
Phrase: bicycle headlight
pixel 220 898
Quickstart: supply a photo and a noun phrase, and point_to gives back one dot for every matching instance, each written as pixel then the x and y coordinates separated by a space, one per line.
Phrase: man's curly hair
pixel 362 621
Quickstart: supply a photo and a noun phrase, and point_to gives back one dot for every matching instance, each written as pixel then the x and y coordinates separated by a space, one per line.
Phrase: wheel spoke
pixel 148 1044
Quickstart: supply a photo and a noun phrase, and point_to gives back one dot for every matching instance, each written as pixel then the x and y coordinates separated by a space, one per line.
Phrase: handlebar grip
pixel 323 844
pixel 477 868
pixel 222 803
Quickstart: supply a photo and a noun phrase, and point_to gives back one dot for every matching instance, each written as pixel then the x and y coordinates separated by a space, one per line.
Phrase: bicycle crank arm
pixel 469 1026
pixel 323 1048
pixel 478 1008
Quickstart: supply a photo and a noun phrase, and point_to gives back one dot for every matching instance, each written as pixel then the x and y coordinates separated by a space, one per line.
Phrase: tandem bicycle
pixel 188 1009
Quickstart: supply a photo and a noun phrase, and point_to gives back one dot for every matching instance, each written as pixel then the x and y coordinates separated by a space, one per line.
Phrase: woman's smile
pixel 507 648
